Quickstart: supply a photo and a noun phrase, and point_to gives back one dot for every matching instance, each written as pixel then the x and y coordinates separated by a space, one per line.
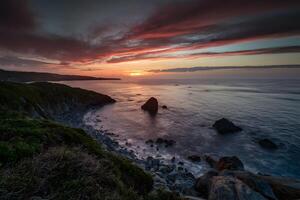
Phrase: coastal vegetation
pixel 42 159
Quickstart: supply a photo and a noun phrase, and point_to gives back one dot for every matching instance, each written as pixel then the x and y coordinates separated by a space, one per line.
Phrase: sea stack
pixel 151 106
pixel 224 126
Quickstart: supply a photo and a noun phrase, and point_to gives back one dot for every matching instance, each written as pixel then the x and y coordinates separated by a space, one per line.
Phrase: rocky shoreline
pixel 226 176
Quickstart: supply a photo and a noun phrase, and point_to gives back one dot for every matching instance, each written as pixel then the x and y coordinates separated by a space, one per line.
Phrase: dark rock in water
pixel 151 106
pixel 224 126
pixel 211 161
pixel 203 183
pixel 159 141
pixel 149 141
pixel 167 143
pixel 164 107
pixel 194 158
pixel 231 163
pixel 225 187
pixel 173 159
pixel 267 144
pixel 180 163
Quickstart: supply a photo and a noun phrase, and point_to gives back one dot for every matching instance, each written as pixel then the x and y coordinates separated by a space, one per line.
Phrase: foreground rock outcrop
pixel 151 106
pixel 224 126
pixel 231 181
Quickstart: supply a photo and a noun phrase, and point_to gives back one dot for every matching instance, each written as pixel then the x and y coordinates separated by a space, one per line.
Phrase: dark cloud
pixel 15 15
pixel 188 16
pixel 77 32
pixel 10 61
pixel 194 69
pixel 144 56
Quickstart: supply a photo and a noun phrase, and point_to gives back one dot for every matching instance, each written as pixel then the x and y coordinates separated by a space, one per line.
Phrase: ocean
pixel 264 108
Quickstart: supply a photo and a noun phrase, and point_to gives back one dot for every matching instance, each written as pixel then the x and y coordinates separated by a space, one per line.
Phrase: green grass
pixel 44 159
pixel 47 100
pixel 27 145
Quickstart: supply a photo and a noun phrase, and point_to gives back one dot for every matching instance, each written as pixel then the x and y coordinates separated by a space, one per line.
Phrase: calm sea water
pixel 263 108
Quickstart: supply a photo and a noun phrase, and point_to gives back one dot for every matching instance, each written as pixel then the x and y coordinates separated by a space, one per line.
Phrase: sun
pixel 135 74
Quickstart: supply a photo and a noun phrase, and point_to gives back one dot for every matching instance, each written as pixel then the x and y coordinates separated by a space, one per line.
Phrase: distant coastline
pixel 20 76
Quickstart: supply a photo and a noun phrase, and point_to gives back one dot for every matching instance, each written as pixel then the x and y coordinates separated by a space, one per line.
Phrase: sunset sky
pixel 140 37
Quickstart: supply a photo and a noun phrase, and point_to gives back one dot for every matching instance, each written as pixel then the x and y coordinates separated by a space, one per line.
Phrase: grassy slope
pixel 38 76
pixel 41 158
pixel 47 100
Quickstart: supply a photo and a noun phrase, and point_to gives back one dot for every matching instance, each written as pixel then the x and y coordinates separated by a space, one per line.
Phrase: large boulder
pixel 203 183
pixel 230 163
pixel 254 182
pixel 151 106
pixel 267 144
pixel 224 126
pixel 229 188
pixel 284 188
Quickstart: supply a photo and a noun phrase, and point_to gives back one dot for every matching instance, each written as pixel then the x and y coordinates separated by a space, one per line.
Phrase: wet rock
pixel 152 163
pixel 203 183
pixel 164 107
pixel 283 188
pixel 230 163
pixel 255 183
pixel 151 106
pixel 180 168
pixel 180 163
pixel 166 169
pixel 194 158
pixel 173 159
pixel 229 188
pixel 210 160
pixel 267 144
pixel 167 143
pixel 224 126
pixel 149 141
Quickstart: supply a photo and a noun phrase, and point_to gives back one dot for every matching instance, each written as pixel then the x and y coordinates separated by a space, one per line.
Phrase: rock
pixel 194 158
pixel 173 159
pixel 231 163
pixel 267 144
pixel 180 168
pixel 167 143
pixel 149 141
pixel 159 141
pixel 151 106
pixel 164 107
pixel 224 126
pixel 203 183
pixel 284 188
pixel 210 160
pixel 152 163
pixel 255 183
pixel 166 169
pixel 229 188
pixel 180 163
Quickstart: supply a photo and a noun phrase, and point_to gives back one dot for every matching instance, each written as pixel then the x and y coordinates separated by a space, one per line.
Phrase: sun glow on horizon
pixel 136 73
